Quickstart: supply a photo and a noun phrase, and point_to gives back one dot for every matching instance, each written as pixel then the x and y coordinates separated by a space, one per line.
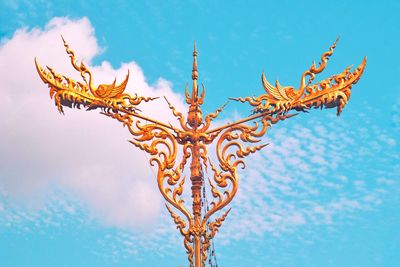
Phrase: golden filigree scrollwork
pixel 71 93
pixel 230 152
pixel 329 93
pixel 234 141
pixel 161 144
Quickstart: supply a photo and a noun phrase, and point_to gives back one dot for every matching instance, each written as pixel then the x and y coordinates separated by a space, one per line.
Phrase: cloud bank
pixel 83 152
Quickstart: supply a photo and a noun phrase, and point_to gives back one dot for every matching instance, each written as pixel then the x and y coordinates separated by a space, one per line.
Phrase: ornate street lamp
pixel 234 141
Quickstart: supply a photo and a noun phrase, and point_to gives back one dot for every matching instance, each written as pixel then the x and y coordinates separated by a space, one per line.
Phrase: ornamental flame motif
pixel 234 141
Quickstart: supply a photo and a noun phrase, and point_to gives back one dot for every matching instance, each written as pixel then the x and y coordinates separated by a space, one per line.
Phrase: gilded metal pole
pixel 197 184
pixel 194 120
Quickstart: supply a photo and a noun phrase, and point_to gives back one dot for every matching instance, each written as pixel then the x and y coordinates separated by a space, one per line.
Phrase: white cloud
pixel 83 152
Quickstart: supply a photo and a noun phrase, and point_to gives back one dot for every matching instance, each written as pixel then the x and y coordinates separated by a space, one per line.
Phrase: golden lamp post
pixel 234 141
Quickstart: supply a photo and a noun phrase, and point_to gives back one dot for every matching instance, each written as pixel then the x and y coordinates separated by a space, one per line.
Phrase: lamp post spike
pixel 195 74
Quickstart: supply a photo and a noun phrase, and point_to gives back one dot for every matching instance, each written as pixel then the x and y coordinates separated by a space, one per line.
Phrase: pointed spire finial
pixel 195 74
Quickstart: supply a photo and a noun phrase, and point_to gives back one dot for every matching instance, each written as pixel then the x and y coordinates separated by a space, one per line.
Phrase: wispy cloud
pixel 314 174
pixel 396 115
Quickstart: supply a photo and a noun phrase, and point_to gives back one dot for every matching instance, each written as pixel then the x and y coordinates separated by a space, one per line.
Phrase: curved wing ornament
pixel 333 92
pixel 71 93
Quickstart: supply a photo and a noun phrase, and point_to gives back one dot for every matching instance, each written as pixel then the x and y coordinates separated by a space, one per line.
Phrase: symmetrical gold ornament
pixel 234 141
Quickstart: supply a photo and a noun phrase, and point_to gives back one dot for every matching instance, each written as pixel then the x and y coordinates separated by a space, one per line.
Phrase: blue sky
pixel 324 193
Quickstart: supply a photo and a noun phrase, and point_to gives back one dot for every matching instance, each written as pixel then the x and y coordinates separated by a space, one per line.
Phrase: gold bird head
pixel 103 89
pixel 111 90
